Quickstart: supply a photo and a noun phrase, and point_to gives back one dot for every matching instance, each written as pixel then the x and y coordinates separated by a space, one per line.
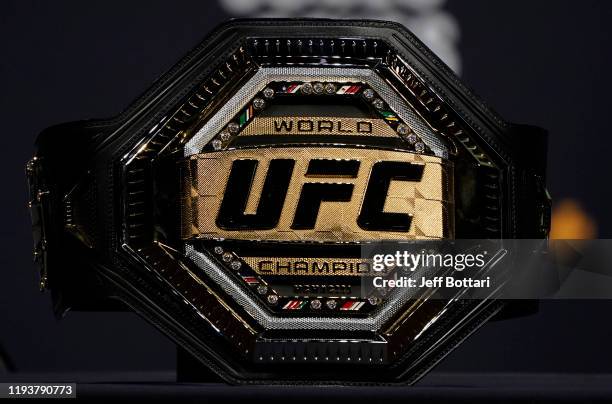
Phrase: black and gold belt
pixel 229 204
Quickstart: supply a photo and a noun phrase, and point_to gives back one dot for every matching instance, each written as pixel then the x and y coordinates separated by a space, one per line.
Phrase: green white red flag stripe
pixel 251 280
pixel 352 305
pixel 293 88
pixel 294 305
pixel 350 89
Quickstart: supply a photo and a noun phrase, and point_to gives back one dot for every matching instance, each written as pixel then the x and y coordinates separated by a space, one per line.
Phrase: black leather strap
pixel 63 156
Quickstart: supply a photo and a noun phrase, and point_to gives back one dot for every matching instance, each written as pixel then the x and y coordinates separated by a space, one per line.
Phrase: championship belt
pixel 230 204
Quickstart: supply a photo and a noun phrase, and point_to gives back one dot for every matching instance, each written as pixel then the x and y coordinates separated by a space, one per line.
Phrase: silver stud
pixel 268 92
pixel 306 88
pixel 225 136
pixel 218 249
pixel 318 88
pixel 227 256
pixel 262 289
pixel 373 300
pixel 330 88
pixel 259 103
pixel 403 129
pixel 233 128
pixel 378 103
pixel 236 265
pixel 331 304
pixel 217 144
pixel 272 299
pixel 315 304
pixel 368 94
pixel 419 147
pixel 412 138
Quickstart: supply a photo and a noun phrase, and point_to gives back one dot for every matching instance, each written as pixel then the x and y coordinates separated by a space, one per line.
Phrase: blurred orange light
pixel 571 222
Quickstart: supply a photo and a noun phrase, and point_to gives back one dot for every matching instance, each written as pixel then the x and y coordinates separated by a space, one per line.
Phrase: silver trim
pixel 266 75
pixel 396 301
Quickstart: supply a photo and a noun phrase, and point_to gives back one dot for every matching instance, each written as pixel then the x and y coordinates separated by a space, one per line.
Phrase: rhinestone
pixel 315 304
pixel 306 88
pixel 259 103
pixel 403 129
pixel 419 147
pixel 272 299
pixel 330 88
pixel 331 304
pixel 378 103
pixel 233 128
pixel 373 300
pixel 227 256
pixel 262 289
pixel 225 136
pixel 412 138
pixel 318 88
pixel 217 144
pixel 268 92
pixel 368 94
pixel 236 265
pixel 218 249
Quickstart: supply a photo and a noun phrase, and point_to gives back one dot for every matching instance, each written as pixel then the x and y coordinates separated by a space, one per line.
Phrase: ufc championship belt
pixel 230 204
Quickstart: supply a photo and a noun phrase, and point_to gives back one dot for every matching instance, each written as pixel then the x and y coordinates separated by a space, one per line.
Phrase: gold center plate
pixel 429 201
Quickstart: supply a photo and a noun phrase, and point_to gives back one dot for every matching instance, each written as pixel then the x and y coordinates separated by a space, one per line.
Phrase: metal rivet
pixel 368 94
pixel 259 103
pixel 268 92
pixel 306 88
pixel 233 128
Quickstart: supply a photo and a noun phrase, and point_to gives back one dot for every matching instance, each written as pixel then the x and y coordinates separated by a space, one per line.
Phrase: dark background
pixel 539 62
